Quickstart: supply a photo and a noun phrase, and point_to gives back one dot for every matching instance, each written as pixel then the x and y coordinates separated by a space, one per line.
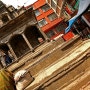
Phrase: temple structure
pixel 19 34
pixel 62 63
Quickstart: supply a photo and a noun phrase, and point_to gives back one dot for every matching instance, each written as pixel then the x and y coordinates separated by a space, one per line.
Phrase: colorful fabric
pixel 83 6
pixel 77 4
pixel 6 80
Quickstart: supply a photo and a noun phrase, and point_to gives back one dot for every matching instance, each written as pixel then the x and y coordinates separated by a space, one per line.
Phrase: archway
pixel 33 34
pixel 19 45
pixel 4 48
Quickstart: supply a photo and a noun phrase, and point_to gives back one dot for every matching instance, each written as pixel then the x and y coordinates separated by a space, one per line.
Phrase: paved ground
pixel 60 63
pixel 80 80
pixel 86 87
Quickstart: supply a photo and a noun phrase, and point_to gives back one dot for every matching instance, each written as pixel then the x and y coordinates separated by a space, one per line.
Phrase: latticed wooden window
pixel 45 8
pixel 37 12
pixel 60 27
pixel 52 16
pixel 53 4
pixel 42 22
pixel 50 33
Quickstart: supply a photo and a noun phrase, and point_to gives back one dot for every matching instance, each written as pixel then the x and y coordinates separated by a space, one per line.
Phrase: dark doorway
pixel 33 34
pixel 19 45
pixel 4 47
pixel 5 55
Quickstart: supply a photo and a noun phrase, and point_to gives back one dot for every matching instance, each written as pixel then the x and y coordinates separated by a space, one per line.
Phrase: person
pixel 40 40
pixel 10 55
pixel 6 57
pixel 7 80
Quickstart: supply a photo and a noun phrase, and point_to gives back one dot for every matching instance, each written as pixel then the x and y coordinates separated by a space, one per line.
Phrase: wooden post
pixel 44 35
pixel 26 40
pixel 12 51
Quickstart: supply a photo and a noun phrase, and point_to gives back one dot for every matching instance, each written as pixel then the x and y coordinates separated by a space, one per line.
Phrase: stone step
pixel 81 83
pixel 66 81
pixel 35 57
pixel 14 66
pixel 48 72
pixel 50 58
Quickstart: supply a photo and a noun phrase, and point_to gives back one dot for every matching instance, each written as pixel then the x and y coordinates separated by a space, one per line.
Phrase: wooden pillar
pixel 1 66
pixel 12 51
pixel 9 17
pixel 26 40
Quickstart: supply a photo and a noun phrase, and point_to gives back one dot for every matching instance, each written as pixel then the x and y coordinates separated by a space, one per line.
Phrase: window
pixel 50 33
pixel 45 7
pixel 60 27
pixel 5 18
pixel 42 22
pixel 54 6
pixel 37 12
pixel 11 8
pixel 52 16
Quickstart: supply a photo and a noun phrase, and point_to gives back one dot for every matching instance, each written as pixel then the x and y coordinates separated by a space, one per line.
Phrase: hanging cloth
pixel 83 6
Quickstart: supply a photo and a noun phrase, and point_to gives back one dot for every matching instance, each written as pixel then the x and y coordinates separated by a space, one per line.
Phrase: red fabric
pixel 68 36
